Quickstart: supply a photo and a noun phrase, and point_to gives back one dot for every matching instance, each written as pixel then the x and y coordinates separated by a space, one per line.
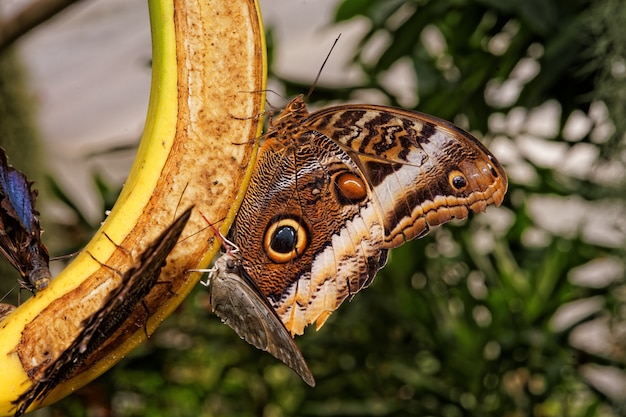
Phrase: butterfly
pixel 20 232
pixel 332 191
pixel 136 283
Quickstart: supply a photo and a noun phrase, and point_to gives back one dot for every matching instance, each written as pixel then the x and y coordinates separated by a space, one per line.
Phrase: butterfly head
pixel 291 117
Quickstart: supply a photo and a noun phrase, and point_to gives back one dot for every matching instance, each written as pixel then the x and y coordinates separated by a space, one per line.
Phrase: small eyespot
pixel 350 188
pixel 457 180
pixel 285 239
pixel 493 170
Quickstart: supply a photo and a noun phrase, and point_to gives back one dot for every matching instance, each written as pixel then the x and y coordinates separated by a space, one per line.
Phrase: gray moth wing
pixel 237 301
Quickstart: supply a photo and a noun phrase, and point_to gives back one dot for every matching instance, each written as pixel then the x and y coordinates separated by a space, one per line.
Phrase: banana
pixel 197 146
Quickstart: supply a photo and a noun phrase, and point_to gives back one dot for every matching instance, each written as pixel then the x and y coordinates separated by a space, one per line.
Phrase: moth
pixel 136 283
pixel 236 299
pixel 20 232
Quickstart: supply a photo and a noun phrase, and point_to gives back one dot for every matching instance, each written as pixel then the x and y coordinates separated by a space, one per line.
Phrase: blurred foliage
pixel 509 314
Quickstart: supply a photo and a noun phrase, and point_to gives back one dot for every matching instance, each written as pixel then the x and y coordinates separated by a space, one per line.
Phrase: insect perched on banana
pixel 332 191
pixel 178 133
pixel 20 236
pixel 135 285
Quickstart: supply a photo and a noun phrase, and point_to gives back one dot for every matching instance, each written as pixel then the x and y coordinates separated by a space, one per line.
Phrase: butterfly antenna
pixel 319 73
pixel 66 256
pixel 180 199
pixel 4 297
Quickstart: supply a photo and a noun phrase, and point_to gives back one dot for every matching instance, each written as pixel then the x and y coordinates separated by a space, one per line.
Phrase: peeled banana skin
pixel 209 68
pixel 97 329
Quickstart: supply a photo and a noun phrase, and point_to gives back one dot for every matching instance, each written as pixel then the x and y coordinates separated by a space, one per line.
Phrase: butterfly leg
pixel 145 322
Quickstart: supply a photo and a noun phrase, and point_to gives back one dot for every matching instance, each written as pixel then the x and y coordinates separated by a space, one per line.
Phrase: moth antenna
pixel 24 284
pixel 5 308
pixel 124 250
pixel 227 244
pixel 262 114
pixel 319 73
pixel 255 91
pixel 230 247
pixel 178 205
pixel 266 90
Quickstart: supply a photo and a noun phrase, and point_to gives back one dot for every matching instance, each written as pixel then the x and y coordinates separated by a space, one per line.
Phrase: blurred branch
pixel 31 16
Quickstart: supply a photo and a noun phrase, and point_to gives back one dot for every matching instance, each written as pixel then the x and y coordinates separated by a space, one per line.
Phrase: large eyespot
pixel 457 180
pixel 285 239
pixel 350 188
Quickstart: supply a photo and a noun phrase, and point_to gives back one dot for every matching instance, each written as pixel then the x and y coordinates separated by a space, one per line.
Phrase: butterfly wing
pixel 137 282
pixel 240 304
pixel 423 171
pixel 14 238
pixel 117 308
pixel 19 198
pixel 307 242
pixel 335 189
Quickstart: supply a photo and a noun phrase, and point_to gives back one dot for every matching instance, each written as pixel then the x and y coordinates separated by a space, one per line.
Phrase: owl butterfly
pixel 116 309
pixel 334 190
pixel 20 233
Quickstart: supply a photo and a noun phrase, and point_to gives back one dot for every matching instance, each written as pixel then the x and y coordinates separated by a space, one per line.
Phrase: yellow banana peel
pixel 208 76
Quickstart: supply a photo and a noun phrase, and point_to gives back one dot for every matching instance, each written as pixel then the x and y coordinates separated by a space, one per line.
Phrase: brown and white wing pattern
pixel 333 190
pixel 423 171
pixel 308 231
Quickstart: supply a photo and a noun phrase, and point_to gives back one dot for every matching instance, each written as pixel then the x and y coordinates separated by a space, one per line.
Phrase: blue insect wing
pixel 17 191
